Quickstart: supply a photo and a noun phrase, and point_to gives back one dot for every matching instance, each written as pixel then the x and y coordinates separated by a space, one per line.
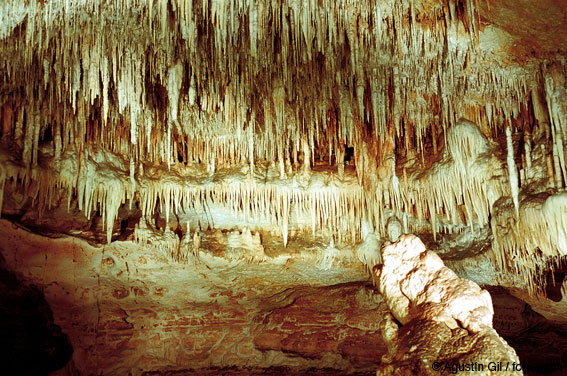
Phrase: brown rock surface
pixel 127 309
pixel 541 344
pixel 447 321
pixel 236 158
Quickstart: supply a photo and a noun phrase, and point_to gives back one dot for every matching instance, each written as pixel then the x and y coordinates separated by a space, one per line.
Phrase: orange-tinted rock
pixel 445 320
pixel 125 310
pixel 324 320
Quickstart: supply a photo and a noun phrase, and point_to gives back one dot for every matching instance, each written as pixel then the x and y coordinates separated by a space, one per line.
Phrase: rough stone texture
pixel 313 321
pixel 415 283
pixel 334 118
pixel 447 321
pixel 555 311
pixel 165 316
pixel 128 309
pixel 541 344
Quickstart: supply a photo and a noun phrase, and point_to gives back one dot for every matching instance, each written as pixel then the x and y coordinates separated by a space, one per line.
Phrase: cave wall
pixel 127 309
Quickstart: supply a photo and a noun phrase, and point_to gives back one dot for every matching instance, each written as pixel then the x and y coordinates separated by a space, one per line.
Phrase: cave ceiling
pixel 345 111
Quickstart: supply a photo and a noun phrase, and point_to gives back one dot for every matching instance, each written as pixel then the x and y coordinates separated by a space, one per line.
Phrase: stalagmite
pixel 428 299
pixel 394 229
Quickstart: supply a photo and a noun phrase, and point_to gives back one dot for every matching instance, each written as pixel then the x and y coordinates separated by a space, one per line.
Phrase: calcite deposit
pixel 446 321
pixel 129 309
pixel 204 186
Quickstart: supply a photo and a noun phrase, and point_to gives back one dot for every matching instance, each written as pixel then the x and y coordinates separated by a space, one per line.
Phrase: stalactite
pixel 251 144
pixel 340 162
pixel 306 157
pixel 512 173
pixel 28 140
pixel 2 185
pixel 211 85
pixel 556 92
pixel 101 65
pixel 555 172
pixel 540 225
pixel 132 180
pixel 528 155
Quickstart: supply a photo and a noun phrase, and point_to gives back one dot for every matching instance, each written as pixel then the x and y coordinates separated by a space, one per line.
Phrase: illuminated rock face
pixel 446 321
pixel 198 145
pixel 127 308
pixel 308 116
pixel 415 283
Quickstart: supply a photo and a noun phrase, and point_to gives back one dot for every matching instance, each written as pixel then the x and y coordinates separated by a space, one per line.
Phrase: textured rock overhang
pixel 446 320
pixel 157 102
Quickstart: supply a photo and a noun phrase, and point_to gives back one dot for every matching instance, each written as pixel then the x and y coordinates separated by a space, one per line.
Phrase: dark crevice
pixel 541 344
pixel 553 281
pixel 31 342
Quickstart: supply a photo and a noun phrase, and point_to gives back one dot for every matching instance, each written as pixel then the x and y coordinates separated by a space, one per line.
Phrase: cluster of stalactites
pixel 529 230
pixel 531 240
pixel 224 83
pixel 460 189
pixel 218 83
pixel 457 190
pixel 556 99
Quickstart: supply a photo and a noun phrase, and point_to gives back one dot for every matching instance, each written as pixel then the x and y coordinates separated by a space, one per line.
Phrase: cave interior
pixel 227 187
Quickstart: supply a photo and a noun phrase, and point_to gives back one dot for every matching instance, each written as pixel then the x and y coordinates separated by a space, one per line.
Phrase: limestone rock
pixel 128 308
pixel 446 320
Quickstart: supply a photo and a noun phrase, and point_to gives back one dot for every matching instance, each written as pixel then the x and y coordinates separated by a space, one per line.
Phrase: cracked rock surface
pixel 446 321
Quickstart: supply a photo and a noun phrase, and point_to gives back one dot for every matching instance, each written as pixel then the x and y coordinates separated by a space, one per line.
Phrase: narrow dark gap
pixel 32 344
pixel 553 282
pixel 179 232
pixel 349 154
